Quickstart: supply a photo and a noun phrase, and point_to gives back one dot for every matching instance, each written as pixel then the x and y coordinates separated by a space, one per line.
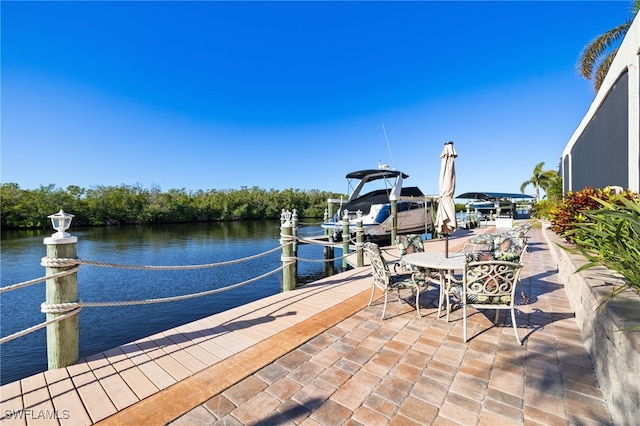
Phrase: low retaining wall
pixel 614 352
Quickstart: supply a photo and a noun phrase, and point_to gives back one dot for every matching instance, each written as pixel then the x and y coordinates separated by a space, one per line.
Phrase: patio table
pixel 441 263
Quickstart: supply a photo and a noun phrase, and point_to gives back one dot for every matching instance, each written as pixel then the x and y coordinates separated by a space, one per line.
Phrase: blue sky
pixel 221 95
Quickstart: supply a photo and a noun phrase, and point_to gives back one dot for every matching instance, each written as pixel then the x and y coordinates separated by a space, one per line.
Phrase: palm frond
pixel 524 185
pixel 603 69
pixel 598 47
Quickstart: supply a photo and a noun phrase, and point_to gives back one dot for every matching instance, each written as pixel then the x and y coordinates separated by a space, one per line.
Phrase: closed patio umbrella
pixel 446 216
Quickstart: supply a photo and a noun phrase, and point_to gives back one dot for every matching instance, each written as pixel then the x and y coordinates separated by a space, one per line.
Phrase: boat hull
pixel 412 217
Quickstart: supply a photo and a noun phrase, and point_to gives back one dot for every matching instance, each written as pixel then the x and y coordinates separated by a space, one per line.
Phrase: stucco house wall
pixel 605 148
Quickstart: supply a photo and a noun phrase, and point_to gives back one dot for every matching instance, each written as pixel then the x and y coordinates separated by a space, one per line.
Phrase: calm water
pixel 105 328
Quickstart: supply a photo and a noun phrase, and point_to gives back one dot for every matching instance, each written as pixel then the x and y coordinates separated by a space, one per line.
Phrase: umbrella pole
pixel 446 246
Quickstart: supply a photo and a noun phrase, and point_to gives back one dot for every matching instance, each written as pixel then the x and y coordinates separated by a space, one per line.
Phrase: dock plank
pixel 139 383
pixel 167 362
pixel 68 406
pixel 181 355
pixel 36 397
pixel 192 348
pixel 114 385
pixel 93 395
pixel 160 378
pixel 12 404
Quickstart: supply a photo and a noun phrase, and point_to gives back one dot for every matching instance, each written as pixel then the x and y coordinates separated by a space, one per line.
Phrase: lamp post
pixel 61 221
pixel 63 343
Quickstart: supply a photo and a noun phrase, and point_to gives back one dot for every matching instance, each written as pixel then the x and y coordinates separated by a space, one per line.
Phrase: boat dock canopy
pixel 377 173
pixel 493 196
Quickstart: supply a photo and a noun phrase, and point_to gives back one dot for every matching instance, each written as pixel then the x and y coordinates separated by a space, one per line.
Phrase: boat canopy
pixel 493 196
pixel 374 174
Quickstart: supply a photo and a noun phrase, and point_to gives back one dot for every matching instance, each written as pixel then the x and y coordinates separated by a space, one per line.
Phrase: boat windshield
pixel 367 181
pixel 359 188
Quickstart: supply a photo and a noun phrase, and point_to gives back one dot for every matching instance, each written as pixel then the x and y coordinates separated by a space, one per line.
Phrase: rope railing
pixel 324 244
pixel 311 223
pixel 36 327
pixel 70 309
pixel 38 280
pixel 332 259
pixel 315 242
pixel 61 254
pixel 65 307
pixel 62 262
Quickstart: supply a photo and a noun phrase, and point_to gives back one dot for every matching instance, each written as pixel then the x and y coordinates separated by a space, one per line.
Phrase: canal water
pixel 103 328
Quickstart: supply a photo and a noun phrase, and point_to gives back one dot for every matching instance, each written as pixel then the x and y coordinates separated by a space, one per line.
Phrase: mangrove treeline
pixel 127 204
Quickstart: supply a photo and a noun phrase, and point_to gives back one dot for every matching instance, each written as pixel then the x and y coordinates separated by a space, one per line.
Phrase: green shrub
pixel 610 236
pixel 542 208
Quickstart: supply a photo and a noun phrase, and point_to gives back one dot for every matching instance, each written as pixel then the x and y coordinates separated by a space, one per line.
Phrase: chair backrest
pixel 491 282
pixel 524 227
pixel 379 268
pixel 483 238
pixel 508 248
pixel 409 243
pixel 519 231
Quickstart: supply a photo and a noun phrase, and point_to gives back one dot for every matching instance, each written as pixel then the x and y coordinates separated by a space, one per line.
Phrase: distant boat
pixel 414 210
pixel 486 207
pixel 487 203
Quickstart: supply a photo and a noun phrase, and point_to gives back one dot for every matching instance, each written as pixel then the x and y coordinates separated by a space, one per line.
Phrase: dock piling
pixel 288 258
pixel 359 241
pixel 63 342
pixel 345 239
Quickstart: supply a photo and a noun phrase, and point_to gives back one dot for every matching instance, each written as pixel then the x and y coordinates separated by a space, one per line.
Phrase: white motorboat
pixel 371 193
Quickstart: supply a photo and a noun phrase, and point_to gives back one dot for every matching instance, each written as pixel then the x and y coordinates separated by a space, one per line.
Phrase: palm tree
pixel 540 179
pixel 596 57
pixel 554 191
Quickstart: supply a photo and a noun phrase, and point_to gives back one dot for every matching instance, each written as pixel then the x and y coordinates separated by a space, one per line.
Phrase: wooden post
pixel 329 267
pixel 330 208
pixel 63 342
pixel 294 233
pixel 286 236
pixel 394 217
pixel 345 238
pixel 326 233
pixel 359 240
pixel 328 214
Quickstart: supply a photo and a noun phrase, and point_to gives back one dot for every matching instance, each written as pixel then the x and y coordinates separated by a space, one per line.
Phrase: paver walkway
pixel 406 370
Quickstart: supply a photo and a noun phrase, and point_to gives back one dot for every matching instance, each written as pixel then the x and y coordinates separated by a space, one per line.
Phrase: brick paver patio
pixel 406 370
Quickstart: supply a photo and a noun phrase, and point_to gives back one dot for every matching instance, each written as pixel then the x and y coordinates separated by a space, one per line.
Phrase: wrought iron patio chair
pixel 508 249
pixel 489 285
pixel 412 243
pixel 386 281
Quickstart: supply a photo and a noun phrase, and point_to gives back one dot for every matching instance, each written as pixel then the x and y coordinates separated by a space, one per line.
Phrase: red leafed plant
pixel 567 215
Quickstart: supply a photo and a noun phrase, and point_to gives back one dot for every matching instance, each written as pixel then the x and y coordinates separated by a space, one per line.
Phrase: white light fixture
pixel 287 217
pixel 61 221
